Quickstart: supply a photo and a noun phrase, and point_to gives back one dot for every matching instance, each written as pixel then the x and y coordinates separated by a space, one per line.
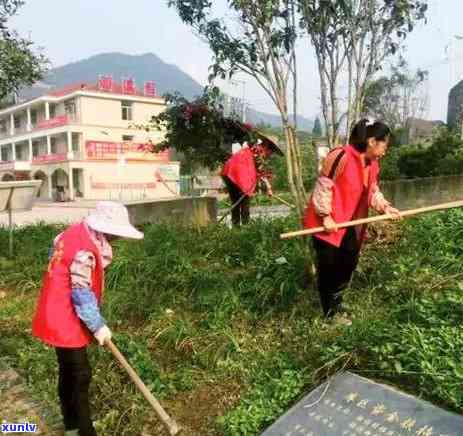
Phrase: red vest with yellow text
pixel 351 198
pixel 241 170
pixel 55 321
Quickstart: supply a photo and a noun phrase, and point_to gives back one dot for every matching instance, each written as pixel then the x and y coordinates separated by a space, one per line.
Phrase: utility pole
pixel 235 82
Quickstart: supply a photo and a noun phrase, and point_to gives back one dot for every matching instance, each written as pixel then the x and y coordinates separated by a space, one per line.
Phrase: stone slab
pixel 350 405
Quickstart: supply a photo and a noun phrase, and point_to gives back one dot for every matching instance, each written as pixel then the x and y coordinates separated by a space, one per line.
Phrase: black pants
pixel 75 375
pixel 335 267
pixel 240 214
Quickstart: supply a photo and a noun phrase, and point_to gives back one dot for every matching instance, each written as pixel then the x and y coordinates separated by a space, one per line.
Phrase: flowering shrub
pixel 199 130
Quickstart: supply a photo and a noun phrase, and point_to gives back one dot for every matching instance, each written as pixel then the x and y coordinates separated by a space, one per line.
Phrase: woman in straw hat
pixel 68 309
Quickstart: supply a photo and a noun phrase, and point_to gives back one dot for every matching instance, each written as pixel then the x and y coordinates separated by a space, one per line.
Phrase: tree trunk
pixel 294 166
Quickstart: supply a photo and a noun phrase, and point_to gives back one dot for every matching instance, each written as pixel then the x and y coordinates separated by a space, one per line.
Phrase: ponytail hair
pixel 362 131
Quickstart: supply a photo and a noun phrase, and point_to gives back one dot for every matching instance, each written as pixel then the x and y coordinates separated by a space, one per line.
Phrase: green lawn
pixel 218 323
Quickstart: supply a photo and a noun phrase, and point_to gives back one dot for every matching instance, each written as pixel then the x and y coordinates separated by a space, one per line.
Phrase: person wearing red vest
pixel 345 190
pixel 241 174
pixel 68 314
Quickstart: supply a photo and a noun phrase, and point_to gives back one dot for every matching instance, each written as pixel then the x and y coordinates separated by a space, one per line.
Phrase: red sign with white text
pixel 128 86
pixel 150 89
pixel 105 83
pixel 45 158
pixel 129 150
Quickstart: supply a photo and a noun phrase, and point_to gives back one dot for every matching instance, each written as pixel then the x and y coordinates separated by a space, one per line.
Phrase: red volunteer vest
pixel 241 170
pixel 351 198
pixel 55 321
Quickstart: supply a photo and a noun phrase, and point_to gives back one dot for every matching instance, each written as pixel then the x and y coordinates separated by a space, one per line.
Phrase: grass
pixel 218 324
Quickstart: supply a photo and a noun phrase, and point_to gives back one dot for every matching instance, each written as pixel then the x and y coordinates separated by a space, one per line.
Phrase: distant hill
pixel 256 117
pixel 145 67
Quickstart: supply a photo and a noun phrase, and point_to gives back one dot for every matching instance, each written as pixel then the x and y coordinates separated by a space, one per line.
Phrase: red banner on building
pixel 150 89
pixel 130 150
pixel 52 122
pixel 105 83
pixel 128 86
pixel 44 158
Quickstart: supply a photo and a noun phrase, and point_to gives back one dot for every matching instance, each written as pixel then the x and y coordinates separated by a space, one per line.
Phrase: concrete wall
pixel 114 134
pixel 187 210
pixel 107 112
pixel 409 194
pixel 133 181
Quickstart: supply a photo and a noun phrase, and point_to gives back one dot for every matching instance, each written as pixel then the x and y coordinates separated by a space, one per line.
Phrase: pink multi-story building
pixel 83 140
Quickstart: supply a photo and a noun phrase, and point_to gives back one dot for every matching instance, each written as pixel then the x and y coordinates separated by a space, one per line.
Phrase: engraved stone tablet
pixel 349 405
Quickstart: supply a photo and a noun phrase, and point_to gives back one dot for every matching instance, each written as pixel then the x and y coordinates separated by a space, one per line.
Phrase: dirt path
pixel 17 405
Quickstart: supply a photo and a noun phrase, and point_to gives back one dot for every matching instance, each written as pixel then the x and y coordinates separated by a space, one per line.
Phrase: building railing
pixel 59 121
pixel 42 124
pixel 49 158
pixel 6 165
pixel 15 165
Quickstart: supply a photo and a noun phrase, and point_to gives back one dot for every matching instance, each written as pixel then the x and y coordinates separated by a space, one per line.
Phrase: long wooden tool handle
pixel 232 207
pixel 170 423
pixel 281 200
pixel 384 217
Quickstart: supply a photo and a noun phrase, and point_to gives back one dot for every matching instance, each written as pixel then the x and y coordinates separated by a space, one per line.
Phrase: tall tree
pixel 317 128
pixel 324 22
pixel 258 41
pixel 353 39
pixel 20 62
pixel 399 98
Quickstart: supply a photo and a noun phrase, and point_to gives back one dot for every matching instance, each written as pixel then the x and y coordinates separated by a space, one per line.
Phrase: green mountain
pixel 145 67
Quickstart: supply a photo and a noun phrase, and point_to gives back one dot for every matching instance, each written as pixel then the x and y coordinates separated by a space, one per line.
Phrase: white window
pixel 20 153
pixel 126 107
pixel 75 142
pixel 17 122
pixel 70 109
pixel 53 145
pixel 2 127
pixel 52 111
pixel 35 149
pixel 4 154
pixel 33 117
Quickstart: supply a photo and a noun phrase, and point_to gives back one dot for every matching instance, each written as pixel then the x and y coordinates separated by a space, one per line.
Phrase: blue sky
pixel 72 30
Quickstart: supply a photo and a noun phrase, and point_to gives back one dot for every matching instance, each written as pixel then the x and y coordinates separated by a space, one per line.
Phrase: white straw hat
pixel 112 218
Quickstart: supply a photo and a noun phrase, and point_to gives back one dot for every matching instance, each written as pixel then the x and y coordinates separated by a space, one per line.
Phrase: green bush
pixel 444 157
pixel 390 164
pixel 309 168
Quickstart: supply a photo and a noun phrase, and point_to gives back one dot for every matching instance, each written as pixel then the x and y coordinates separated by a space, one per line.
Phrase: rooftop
pixel 113 88
pixel 127 88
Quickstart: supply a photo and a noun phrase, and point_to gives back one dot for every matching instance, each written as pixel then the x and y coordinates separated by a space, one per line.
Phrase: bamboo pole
pixel 281 200
pixel 406 213
pixel 169 422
